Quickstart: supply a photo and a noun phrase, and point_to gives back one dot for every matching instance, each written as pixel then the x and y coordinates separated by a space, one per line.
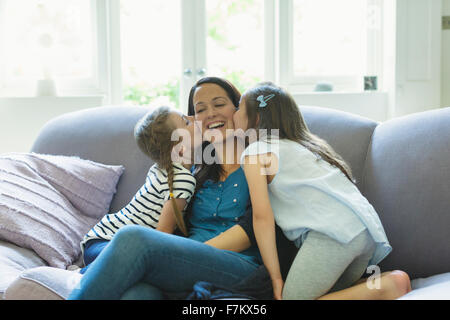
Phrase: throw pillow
pixel 48 203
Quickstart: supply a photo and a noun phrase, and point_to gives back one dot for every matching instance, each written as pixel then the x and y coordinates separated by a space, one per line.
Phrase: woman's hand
pixel 277 285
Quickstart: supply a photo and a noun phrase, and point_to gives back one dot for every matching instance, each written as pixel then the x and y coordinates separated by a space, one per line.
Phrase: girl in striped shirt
pixel 166 180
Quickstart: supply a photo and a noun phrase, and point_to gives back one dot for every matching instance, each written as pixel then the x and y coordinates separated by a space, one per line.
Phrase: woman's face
pixel 214 109
pixel 240 117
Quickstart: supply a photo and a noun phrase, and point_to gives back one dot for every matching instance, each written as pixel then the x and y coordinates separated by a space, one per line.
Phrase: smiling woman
pixel 146 264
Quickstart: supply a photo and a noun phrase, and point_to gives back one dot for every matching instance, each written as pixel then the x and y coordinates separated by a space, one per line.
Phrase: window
pixel 48 39
pixel 235 41
pixel 329 41
pixel 168 45
pixel 151 51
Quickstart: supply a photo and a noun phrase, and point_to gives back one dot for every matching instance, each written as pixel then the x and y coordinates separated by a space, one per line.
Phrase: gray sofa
pixel 402 166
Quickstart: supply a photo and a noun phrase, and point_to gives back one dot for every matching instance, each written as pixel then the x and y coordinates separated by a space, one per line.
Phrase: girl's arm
pixel 234 239
pixel 167 222
pixel 263 220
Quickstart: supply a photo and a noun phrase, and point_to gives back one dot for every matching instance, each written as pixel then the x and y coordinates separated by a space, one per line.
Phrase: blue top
pixel 308 193
pixel 219 206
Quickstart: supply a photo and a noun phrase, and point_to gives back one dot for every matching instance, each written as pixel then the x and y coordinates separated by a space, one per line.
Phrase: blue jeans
pixel 92 249
pixel 142 263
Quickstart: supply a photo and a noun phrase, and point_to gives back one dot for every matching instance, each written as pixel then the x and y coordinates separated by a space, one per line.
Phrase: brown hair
pixel 153 134
pixel 283 113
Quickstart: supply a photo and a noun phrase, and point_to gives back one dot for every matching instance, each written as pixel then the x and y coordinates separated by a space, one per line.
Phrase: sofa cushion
pixel 407 180
pixel 432 288
pixel 48 203
pixel 13 261
pixel 420 283
pixel 43 283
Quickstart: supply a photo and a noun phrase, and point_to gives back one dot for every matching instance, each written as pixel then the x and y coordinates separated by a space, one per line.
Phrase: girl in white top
pixel 298 181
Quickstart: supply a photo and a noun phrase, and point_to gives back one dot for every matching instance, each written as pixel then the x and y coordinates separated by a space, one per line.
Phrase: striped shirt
pixel 146 206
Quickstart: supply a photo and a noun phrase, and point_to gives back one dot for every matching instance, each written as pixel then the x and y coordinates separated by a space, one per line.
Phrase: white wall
pixel 445 58
pixel 22 118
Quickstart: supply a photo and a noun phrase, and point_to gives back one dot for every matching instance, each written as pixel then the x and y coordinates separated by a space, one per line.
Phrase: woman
pixel 141 263
pixel 148 264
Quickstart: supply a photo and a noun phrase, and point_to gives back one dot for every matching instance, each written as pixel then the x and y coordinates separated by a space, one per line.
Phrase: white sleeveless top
pixel 308 193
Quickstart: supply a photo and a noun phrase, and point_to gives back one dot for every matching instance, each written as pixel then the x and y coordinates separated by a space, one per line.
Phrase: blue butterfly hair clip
pixel 263 100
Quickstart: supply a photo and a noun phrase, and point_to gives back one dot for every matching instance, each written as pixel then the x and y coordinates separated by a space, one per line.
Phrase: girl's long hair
pixel 282 113
pixel 153 134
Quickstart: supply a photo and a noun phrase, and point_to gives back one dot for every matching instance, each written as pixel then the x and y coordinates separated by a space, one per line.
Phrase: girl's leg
pixel 322 263
pixel 393 285
pixel 91 251
pixel 170 263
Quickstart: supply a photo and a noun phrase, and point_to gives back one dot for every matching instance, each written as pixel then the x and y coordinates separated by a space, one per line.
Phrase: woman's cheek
pixel 239 121
pixel 236 120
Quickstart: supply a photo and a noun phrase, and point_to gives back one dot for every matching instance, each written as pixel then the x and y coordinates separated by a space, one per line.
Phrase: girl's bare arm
pixel 263 219
pixel 167 222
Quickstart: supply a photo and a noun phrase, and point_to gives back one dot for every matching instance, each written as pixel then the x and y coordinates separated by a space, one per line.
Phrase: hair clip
pixel 263 100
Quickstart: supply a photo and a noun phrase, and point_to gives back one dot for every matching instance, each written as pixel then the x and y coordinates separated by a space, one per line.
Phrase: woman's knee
pixel 131 236
pixel 134 237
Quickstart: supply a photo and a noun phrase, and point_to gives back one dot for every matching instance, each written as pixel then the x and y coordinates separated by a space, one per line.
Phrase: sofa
pixel 402 166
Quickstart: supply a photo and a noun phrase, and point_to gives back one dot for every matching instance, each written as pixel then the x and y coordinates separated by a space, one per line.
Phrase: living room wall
pixel 21 119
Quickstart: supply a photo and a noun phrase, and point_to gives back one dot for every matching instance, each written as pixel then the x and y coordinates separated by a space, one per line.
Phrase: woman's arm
pixel 234 239
pixel 167 222
pixel 263 220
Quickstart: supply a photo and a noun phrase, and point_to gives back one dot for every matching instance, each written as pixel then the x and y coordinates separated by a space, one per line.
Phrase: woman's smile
pixel 214 109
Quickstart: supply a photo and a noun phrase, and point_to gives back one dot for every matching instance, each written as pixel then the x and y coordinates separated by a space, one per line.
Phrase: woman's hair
pixel 153 134
pixel 281 112
pixel 215 170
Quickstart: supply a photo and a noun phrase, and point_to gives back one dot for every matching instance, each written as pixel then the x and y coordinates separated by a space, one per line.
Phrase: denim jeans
pixel 91 251
pixel 142 263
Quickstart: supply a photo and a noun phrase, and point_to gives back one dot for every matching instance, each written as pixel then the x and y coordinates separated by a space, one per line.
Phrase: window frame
pixel 278 66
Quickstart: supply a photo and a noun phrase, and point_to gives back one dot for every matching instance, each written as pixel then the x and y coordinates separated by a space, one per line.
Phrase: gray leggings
pixel 323 265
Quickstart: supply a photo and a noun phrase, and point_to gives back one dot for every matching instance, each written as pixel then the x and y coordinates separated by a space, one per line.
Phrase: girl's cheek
pixel 240 120
pixel 236 120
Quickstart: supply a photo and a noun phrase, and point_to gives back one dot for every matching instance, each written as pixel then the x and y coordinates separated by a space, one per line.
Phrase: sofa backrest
pixel 349 135
pixel 105 135
pixel 407 180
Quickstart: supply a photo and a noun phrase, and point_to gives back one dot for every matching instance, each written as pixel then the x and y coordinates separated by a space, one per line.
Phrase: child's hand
pixel 277 285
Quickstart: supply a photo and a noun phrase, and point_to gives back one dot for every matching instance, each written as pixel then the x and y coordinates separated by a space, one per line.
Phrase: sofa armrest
pixel 43 283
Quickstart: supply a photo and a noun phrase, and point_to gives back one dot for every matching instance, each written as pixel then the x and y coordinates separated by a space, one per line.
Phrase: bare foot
pixel 394 284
